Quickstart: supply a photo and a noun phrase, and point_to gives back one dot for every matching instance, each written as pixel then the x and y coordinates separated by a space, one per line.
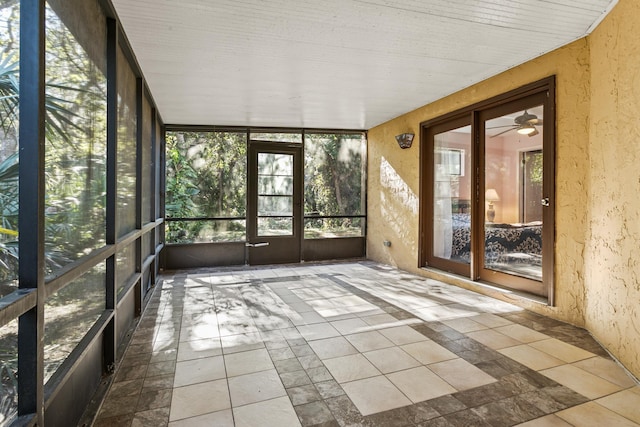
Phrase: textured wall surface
pixel 612 278
pixel 597 182
pixel 394 174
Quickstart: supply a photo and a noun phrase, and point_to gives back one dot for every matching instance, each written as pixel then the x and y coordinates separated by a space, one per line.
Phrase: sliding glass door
pixel 487 191
pixel 513 199
pixel 450 184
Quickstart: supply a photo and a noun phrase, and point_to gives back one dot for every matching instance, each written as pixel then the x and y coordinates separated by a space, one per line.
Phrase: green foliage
pixel 206 175
pixel 205 178
pixel 333 182
pixel 75 131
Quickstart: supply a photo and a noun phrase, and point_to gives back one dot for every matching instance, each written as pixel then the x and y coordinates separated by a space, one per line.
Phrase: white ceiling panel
pixel 342 64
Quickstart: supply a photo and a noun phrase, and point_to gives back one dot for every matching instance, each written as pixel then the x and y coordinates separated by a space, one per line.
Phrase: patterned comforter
pixel 504 243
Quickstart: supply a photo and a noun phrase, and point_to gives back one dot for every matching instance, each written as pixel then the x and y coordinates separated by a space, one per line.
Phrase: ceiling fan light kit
pixel 524 124
pixel 527 130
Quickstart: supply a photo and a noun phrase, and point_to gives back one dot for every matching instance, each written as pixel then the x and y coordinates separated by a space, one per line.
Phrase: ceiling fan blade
pixel 504 131
pixel 535 122
pixel 534 133
pixel 503 126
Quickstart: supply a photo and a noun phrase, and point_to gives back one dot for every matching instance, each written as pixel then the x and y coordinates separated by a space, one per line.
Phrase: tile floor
pixel 355 344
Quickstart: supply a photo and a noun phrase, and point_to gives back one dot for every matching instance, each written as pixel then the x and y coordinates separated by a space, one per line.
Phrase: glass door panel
pixel 488 190
pixel 513 172
pixel 274 217
pixel 275 194
pixel 450 227
pixel 531 166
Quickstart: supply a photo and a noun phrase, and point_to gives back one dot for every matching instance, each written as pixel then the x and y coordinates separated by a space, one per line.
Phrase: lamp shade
pixel 491 195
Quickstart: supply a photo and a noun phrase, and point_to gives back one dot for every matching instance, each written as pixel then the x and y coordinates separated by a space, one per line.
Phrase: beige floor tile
pixel 581 381
pixel 445 312
pixel 199 370
pixel 350 368
pixel 531 357
pixel 256 387
pixel 318 331
pixel 606 369
pixel 344 324
pixel 491 320
pixel 237 327
pixel 332 347
pixel 336 313
pixel 247 362
pixel 320 304
pixel 427 352
pixel 625 403
pixel 351 301
pixel 464 324
pixel 383 320
pixel 308 294
pixel 199 349
pixel 548 421
pixel 591 414
pixel 188 401
pixel 522 333
pixel 351 326
pixel 198 332
pixel 493 339
pixel 561 350
pixel 461 374
pixel 306 318
pixel 373 395
pixel 271 413
pixel 391 359
pixel 218 419
pixel 363 311
pixel 420 384
pixel 241 342
pixel 401 335
pixel 367 341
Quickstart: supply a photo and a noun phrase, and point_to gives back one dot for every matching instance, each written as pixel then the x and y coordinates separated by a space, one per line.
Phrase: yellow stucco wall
pixel 612 274
pixel 597 181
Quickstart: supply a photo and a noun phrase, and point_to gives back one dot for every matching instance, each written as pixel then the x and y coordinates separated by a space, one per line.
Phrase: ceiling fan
pixel 524 124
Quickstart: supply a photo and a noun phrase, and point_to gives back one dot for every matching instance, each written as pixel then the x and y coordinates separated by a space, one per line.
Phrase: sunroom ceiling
pixel 341 64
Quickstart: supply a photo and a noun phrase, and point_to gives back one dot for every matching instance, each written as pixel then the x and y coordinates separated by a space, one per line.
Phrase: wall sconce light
pixel 404 140
pixel 491 195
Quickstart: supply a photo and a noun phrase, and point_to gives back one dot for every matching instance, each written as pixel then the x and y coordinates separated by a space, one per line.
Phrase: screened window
pixel 75 151
pixel 9 72
pixel 69 314
pixel 334 187
pixel 206 186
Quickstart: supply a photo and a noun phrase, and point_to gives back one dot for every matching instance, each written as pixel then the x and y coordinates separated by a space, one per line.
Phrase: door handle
pixel 256 245
pixel 545 201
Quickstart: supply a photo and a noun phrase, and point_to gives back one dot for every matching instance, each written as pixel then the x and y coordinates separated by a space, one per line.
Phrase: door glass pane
pixel 452 195
pixel 276 137
pixel 275 226
pixel 275 194
pixel 513 193
pixel 274 164
pixel 275 185
pixel 275 205
pixel 532 185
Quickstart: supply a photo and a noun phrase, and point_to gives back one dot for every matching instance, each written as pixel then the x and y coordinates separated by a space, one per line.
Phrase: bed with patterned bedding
pixel 504 243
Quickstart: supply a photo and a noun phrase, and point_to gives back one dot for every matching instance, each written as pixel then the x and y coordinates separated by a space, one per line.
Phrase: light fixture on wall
pixel 491 195
pixel 404 140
